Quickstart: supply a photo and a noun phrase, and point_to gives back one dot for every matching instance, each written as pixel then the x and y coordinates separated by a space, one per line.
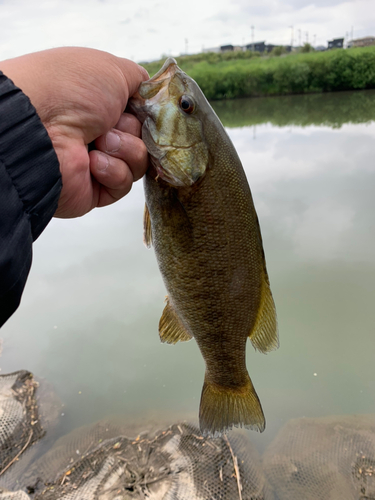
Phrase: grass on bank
pixel 245 74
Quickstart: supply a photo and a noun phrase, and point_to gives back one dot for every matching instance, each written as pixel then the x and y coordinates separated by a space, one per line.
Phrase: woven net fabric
pixel 176 463
pixel 19 420
pixel 13 495
pixel 330 458
pixel 29 412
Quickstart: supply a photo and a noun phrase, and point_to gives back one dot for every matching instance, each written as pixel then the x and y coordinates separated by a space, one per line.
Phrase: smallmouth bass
pixel 201 220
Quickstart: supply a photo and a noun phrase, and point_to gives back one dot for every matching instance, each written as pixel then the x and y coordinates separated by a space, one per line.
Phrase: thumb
pixel 133 74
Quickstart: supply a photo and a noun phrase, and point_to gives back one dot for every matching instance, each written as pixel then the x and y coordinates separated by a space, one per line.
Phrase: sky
pixel 148 30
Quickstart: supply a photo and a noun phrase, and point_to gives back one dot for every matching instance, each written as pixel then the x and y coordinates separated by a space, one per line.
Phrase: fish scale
pixel 203 225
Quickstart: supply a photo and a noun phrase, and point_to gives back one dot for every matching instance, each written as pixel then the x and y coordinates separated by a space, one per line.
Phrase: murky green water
pixel 89 316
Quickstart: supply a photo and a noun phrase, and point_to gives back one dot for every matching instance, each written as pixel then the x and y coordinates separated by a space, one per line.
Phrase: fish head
pixel 171 107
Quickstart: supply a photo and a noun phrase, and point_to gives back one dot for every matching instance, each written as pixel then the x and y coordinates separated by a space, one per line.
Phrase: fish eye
pixel 187 104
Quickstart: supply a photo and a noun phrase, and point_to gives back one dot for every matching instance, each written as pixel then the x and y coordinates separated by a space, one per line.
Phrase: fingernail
pixel 112 142
pixel 103 162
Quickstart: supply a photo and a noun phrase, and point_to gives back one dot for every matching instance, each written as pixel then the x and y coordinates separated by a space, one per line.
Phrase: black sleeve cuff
pixel 30 186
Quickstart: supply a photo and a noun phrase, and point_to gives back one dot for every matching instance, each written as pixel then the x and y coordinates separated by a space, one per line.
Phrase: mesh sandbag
pixel 13 495
pixel 177 463
pixel 29 411
pixel 331 458
pixel 19 419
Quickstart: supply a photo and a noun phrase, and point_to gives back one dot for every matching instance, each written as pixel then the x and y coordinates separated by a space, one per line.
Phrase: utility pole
pixel 307 37
pixel 352 33
pixel 186 45
pixel 252 36
pixel 291 40
pixel 314 41
pixel 299 38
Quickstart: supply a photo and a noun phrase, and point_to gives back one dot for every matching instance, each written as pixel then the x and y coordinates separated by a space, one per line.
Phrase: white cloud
pixel 148 30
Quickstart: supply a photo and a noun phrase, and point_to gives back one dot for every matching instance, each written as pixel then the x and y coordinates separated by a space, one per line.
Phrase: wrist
pixel 29 163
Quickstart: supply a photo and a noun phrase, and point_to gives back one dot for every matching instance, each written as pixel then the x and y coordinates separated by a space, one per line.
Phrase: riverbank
pixel 253 76
pixel 331 110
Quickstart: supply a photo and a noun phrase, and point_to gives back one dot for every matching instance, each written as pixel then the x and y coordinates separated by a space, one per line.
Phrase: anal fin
pixel 171 329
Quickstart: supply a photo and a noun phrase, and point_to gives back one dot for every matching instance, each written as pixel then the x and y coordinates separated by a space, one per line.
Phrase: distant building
pixel 336 43
pixel 362 42
pixel 256 47
pixel 320 48
pixel 230 48
pixel 212 49
pixel 270 46
pixel 226 48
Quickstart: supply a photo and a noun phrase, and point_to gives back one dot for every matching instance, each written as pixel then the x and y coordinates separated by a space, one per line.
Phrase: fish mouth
pixel 169 68
pixel 137 105
pixel 151 87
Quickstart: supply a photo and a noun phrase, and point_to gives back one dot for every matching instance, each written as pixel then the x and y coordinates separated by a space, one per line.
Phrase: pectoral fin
pixel 265 335
pixel 171 330
pixel 147 234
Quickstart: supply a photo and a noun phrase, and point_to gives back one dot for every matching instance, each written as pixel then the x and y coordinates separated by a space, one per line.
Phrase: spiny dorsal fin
pixel 265 335
pixel 147 233
pixel 171 330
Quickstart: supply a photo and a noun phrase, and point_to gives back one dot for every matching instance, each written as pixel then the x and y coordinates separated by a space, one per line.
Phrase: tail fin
pixel 222 408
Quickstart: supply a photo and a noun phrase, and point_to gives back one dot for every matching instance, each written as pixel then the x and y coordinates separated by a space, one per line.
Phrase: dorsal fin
pixel 147 233
pixel 171 330
pixel 265 335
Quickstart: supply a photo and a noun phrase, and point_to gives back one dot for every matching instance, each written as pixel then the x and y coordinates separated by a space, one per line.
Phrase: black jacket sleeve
pixel 30 185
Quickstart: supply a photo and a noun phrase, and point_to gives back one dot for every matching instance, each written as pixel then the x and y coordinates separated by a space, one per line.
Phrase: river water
pixel 88 322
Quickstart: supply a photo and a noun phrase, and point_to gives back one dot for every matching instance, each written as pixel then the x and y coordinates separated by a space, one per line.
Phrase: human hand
pixel 80 95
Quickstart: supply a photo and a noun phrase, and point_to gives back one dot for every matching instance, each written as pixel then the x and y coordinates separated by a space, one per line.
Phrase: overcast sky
pixel 145 30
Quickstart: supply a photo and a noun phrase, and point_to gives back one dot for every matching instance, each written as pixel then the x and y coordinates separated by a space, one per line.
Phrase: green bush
pixel 278 51
pixel 307 48
pixel 241 74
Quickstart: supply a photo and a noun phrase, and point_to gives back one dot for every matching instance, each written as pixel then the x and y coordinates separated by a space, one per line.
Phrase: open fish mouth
pixel 151 87
pixel 142 101
pixel 170 65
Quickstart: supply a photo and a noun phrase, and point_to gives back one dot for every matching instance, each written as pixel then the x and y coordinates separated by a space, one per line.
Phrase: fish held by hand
pixel 201 220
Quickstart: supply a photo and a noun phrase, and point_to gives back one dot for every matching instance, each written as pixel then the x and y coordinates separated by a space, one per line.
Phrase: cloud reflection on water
pixel 317 180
